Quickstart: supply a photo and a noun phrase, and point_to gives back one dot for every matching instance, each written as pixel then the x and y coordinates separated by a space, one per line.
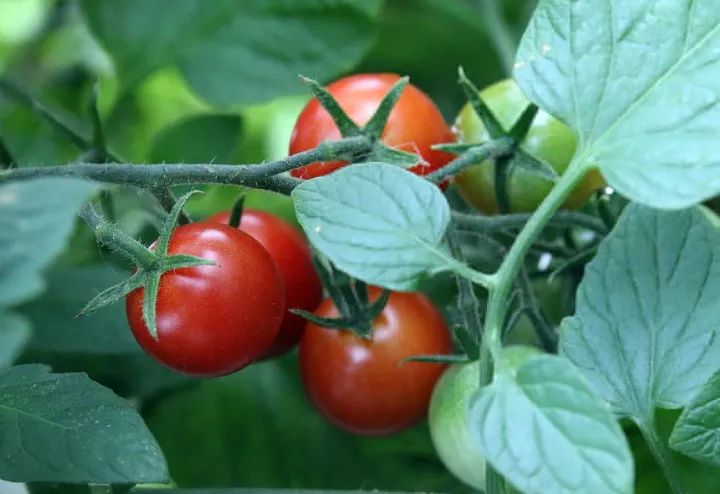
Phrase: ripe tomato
pixel 548 139
pixel 448 417
pixel 362 385
pixel 293 258
pixel 415 123
pixel 216 319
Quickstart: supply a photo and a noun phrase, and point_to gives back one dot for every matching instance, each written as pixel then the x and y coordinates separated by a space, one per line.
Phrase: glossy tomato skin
pixel 362 385
pixel 414 124
pixel 548 139
pixel 213 320
pixel 293 258
pixel 449 411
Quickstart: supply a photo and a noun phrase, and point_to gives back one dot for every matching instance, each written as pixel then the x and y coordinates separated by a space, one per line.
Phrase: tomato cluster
pixel 216 319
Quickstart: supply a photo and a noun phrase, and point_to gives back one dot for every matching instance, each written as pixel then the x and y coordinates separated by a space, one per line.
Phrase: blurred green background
pixel 216 81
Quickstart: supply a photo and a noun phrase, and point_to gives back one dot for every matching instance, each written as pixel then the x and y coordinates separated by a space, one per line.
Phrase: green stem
pixel 544 330
pixel 505 277
pixel 494 483
pixel 156 176
pixel 114 238
pixel 491 224
pixel 661 453
pixel 488 150
pixel 167 200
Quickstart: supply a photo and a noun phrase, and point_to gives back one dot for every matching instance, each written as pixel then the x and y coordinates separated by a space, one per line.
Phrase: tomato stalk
pixel 471 156
pixel 112 237
pixel 154 176
pixel 648 429
pixel 498 302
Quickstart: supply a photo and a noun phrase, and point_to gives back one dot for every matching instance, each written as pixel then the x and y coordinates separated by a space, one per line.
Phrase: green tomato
pixel 548 139
pixel 448 417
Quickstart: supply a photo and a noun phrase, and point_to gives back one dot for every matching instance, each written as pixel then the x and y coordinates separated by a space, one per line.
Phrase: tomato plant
pixel 237 304
pixel 293 258
pixel 415 124
pixel 579 218
pixel 364 385
pixel 547 139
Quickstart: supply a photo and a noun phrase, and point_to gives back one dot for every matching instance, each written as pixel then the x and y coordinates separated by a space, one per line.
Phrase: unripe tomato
pixel 414 124
pixel 548 139
pixel 363 385
pixel 448 417
pixel 216 319
pixel 293 258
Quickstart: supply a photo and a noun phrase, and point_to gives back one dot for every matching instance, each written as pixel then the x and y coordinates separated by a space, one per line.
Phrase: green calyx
pixel 503 146
pixel 372 130
pixel 350 296
pixel 151 264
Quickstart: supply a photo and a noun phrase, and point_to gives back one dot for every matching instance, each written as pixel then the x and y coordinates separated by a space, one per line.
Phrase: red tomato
pixel 362 385
pixel 213 320
pixel 415 123
pixel 293 258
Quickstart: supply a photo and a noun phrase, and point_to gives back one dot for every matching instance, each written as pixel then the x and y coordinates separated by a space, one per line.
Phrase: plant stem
pixel 660 452
pixel 488 150
pixel 544 330
pixel 503 281
pixel 491 224
pixel 114 238
pixel 167 200
pixel 156 176
pixel 504 278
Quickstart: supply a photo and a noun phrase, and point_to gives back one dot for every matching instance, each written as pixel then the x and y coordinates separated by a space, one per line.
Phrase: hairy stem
pixel 489 150
pixel 491 224
pixel 505 277
pixel 111 236
pixel 156 176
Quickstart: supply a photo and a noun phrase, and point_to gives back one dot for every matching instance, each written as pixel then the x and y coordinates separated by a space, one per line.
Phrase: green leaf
pixel 697 431
pixel 14 334
pixel 249 429
pixel 646 329
pixel 235 51
pixel 56 326
pixel 36 219
pixel 639 83
pixel 377 222
pixel 67 428
pixel 547 433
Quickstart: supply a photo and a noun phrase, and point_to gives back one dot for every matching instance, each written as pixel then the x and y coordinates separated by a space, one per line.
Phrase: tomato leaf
pixel 697 431
pixel 235 52
pixel 535 424
pixel 14 334
pixel 67 428
pixel 646 330
pixel 377 222
pixel 36 219
pixel 639 83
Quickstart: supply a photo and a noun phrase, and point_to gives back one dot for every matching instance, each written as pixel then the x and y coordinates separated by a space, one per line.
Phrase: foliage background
pixel 194 81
